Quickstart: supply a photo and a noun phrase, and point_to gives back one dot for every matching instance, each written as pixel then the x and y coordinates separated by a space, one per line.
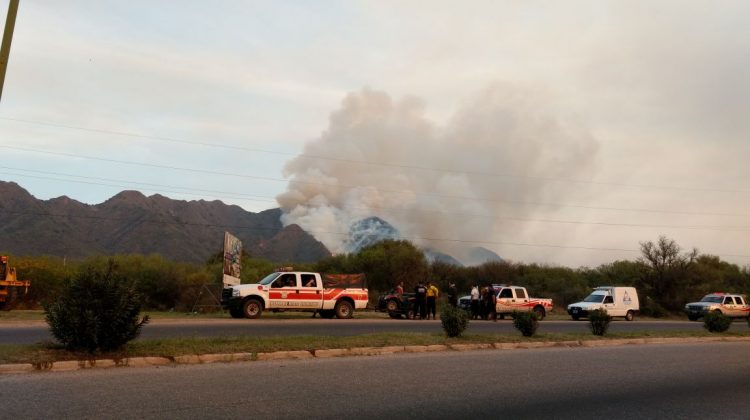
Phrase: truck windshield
pixel 594 298
pixel 712 299
pixel 269 278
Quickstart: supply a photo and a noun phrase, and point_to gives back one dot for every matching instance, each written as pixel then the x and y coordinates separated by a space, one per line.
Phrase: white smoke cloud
pixel 446 187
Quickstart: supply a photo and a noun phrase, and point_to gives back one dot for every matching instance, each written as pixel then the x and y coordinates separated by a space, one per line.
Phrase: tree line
pixel 666 276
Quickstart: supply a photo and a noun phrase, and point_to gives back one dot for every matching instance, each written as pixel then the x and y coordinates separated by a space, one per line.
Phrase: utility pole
pixel 10 23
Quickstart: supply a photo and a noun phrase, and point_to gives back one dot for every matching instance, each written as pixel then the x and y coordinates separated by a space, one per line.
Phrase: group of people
pixel 425 298
pixel 484 302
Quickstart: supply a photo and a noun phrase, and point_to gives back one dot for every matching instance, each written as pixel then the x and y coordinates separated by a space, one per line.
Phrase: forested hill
pixel 129 222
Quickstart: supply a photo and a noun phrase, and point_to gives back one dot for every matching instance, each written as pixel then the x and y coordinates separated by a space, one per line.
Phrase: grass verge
pixel 49 352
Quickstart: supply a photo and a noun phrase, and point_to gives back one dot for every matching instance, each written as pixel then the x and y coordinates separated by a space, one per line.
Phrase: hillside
pixel 130 222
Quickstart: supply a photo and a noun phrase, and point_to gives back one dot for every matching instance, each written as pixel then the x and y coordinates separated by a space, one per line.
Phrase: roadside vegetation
pixel 49 352
pixel 666 276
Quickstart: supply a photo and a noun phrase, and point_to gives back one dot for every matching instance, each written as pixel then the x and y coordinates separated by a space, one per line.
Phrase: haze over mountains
pixel 129 222
pixel 188 231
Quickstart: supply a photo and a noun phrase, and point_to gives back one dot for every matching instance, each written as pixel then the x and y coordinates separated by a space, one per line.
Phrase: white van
pixel 618 301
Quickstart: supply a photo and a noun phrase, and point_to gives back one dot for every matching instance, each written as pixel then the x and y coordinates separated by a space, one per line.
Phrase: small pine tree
pixel 715 321
pixel 526 322
pixel 599 321
pixel 96 310
pixel 454 320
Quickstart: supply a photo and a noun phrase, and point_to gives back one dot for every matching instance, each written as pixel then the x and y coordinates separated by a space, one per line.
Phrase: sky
pixel 550 132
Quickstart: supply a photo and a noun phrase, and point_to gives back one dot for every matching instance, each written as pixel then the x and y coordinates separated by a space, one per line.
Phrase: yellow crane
pixel 9 283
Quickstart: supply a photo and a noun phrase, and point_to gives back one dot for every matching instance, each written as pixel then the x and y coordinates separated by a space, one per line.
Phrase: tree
pixel 665 271
pixel 389 262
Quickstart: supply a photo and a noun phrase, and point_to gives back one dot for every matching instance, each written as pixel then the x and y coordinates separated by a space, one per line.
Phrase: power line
pixel 269 199
pixel 245 176
pixel 363 162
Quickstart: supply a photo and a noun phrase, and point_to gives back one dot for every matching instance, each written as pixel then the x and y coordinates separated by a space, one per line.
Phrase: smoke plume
pixel 448 187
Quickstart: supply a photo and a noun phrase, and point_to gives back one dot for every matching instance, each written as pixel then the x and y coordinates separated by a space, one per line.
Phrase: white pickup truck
pixel 331 295
pixel 515 299
pixel 731 305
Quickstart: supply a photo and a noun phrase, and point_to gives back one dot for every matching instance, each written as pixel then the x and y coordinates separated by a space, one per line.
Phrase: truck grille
pixel 226 294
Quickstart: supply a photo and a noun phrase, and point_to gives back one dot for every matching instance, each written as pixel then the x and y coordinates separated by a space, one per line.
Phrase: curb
pixel 73 365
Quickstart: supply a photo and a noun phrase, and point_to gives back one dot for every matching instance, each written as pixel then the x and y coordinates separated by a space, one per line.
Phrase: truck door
pixel 284 291
pixel 521 297
pixel 729 308
pixel 609 305
pixel 310 291
pixel 506 301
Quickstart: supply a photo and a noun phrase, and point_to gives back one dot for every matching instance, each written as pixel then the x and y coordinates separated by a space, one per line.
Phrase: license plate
pixel 575 311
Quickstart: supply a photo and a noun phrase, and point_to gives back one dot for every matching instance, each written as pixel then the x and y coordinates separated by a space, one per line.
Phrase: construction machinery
pixel 9 284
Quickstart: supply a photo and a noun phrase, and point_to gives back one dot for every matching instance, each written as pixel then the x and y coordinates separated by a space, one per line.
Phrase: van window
pixel 594 298
pixel 521 294
pixel 609 299
pixel 506 293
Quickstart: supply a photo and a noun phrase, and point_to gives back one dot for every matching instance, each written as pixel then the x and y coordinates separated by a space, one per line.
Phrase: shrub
pixel 96 310
pixel 715 321
pixel 599 321
pixel 526 322
pixel 454 320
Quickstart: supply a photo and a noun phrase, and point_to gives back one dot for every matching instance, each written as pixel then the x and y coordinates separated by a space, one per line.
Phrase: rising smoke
pixel 442 187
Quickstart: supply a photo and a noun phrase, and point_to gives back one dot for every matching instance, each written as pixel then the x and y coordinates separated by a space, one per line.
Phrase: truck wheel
pixel 629 316
pixel 252 308
pixel 540 314
pixel 693 317
pixel 410 314
pixel 235 312
pixel 344 310
pixel 575 317
pixel 392 305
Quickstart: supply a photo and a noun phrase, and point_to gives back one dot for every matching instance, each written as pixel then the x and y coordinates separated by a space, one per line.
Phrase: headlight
pixel 235 292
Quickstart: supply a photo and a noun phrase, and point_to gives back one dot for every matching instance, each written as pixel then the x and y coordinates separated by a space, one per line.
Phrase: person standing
pixel 432 295
pixel 452 294
pixel 420 292
pixel 492 302
pixel 475 302
pixel 399 289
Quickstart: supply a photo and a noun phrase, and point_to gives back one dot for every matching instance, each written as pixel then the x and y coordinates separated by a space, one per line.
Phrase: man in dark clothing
pixel 491 302
pixel 420 292
pixel 452 294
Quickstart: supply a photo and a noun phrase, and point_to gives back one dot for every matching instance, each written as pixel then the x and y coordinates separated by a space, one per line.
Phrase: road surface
pixel 25 333
pixel 647 381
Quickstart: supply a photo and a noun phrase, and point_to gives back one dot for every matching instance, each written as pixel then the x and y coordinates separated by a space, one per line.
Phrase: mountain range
pixel 130 222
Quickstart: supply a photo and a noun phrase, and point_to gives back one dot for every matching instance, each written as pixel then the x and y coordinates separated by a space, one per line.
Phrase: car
pixel 396 306
pixel 464 302
pixel 731 305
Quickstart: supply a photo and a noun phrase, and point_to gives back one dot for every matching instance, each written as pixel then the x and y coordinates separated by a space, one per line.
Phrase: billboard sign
pixel 232 265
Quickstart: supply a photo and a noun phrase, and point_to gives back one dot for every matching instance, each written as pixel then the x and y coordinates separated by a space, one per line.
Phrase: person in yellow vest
pixel 432 295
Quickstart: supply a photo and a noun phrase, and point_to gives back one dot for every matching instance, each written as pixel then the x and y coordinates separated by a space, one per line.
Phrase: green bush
pixel 454 320
pixel 96 310
pixel 526 322
pixel 715 321
pixel 599 321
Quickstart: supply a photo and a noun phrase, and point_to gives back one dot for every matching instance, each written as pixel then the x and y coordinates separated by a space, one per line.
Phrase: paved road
pixel 27 334
pixel 650 381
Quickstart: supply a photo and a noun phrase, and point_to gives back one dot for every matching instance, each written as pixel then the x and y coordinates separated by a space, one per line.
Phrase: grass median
pixel 50 352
